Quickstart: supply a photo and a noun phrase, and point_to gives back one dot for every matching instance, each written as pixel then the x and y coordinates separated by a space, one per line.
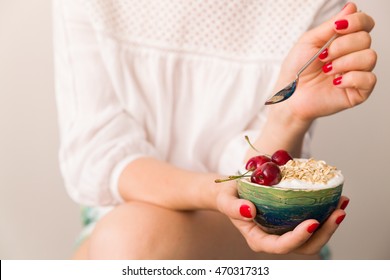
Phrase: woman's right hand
pixel 304 239
pixel 342 79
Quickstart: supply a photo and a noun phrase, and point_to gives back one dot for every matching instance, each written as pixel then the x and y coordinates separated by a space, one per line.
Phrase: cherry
pixel 265 170
pixel 281 157
pixel 256 161
pixel 267 174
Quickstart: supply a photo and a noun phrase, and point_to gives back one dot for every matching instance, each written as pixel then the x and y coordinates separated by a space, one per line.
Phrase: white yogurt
pixel 337 180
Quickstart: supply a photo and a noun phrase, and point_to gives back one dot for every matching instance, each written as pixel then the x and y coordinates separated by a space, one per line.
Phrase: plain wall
pixel 39 221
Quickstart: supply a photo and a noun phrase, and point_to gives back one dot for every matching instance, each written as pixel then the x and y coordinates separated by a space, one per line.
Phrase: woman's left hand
pixel 304 239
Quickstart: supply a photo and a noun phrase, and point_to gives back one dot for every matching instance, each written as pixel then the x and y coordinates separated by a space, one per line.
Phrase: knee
pixel 125 233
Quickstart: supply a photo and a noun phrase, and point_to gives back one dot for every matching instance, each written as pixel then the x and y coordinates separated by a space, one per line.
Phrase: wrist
pixel 208 191
pixel 282 118
pixel 283 130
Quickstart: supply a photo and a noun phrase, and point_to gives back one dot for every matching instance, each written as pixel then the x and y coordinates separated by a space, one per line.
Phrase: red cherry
pixel 267 174
pixel 281 157
pixel 256 161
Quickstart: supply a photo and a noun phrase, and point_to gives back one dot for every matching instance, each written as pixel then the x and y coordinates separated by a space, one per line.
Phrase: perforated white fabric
pixel 238 29
pixel 178 80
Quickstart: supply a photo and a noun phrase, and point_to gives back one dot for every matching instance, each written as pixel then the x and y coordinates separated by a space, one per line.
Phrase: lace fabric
pixel 245 29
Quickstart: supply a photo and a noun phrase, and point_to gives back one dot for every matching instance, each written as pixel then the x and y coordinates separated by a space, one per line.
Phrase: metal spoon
pixel 290 89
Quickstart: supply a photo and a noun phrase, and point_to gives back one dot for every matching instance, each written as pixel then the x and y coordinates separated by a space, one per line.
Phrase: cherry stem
pixel 230 178
pixel 250 144
pixel 253 147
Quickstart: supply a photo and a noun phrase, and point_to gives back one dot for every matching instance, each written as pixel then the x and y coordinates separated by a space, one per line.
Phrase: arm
pixel 319 93
pixel 105 156
pixel 146 178
pixel 286 126
pixel 154 181
pixel 97 136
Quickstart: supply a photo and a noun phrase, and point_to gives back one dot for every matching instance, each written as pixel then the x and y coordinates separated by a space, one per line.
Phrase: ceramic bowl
pixel 280 210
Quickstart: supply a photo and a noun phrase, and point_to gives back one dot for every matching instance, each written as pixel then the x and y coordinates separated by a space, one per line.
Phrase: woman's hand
pixel 304 239
pixel 341 78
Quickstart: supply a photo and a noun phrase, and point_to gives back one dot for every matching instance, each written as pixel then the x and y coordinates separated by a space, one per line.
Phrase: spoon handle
pixel 317 54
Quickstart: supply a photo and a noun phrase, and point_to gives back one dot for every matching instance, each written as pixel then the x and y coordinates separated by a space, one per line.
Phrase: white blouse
pixel 181 81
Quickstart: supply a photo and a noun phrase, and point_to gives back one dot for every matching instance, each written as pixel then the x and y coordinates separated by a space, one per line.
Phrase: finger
pixel 292 240
pixel 233 207
pixel 259 241
pixel 326 30
pixel 346 44
pixel 358 86
pixel 343 203
pixel 323 234
pixel 353 23
pixel 358 80
pixel 363 60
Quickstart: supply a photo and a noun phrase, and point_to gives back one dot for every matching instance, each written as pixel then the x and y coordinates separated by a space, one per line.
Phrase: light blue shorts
pixel 90 216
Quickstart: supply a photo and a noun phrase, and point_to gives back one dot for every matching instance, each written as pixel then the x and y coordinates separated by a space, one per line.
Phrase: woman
pixel 154 100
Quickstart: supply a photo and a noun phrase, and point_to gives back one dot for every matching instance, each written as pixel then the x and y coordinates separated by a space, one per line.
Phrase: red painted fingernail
pixel 341 24
pixel 337 81
pixel 324 54
pixel 245 211
pixel 312 227
pixel 344 204
pixel 340 219
pixel 327 67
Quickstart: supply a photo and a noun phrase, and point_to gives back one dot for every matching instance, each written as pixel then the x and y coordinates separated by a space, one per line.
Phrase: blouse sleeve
pixel 98 138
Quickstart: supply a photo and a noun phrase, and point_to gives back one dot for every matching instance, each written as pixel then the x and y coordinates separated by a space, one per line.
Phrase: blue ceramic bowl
pixel 280 210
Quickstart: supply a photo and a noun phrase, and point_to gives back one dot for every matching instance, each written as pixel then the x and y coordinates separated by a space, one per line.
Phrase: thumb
pixel 326 30
pixel 234 207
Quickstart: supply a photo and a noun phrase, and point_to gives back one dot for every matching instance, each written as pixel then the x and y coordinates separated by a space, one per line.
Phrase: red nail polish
pixel 245 211
pixel 324 54
pixel 327 67
pixel 337 81
pixel 340 219
pixel 341 24
pixel 312 227
pixel 344 204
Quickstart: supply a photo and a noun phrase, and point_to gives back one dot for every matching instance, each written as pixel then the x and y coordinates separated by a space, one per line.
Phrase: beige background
pixel 39 221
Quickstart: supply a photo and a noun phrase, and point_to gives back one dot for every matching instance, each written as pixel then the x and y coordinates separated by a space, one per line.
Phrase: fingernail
pixel 341 24
pixel 345 5
pixel 324 54
pixel 327 67
pixel 344 204
pixel 312 227
pixel 337 81
pixel 245 211
pixel 340 219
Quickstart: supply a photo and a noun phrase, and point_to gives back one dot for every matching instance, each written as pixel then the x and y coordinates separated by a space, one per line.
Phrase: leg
pixel 143 231
pixel 82 251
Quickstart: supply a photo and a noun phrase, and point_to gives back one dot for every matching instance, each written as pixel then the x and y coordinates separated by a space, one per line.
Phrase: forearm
pixel 153 181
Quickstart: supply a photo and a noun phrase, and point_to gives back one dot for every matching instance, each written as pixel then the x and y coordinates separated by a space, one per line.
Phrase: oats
pixel 313 171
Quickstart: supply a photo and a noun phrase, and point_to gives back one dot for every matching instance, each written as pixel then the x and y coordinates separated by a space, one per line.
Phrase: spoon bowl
pixel 289 90
pixel 284 94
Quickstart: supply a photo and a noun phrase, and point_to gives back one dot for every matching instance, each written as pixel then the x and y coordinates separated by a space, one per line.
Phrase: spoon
pixel 290 89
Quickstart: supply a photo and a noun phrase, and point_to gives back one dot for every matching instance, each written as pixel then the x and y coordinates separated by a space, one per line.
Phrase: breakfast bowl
pixel 309 189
